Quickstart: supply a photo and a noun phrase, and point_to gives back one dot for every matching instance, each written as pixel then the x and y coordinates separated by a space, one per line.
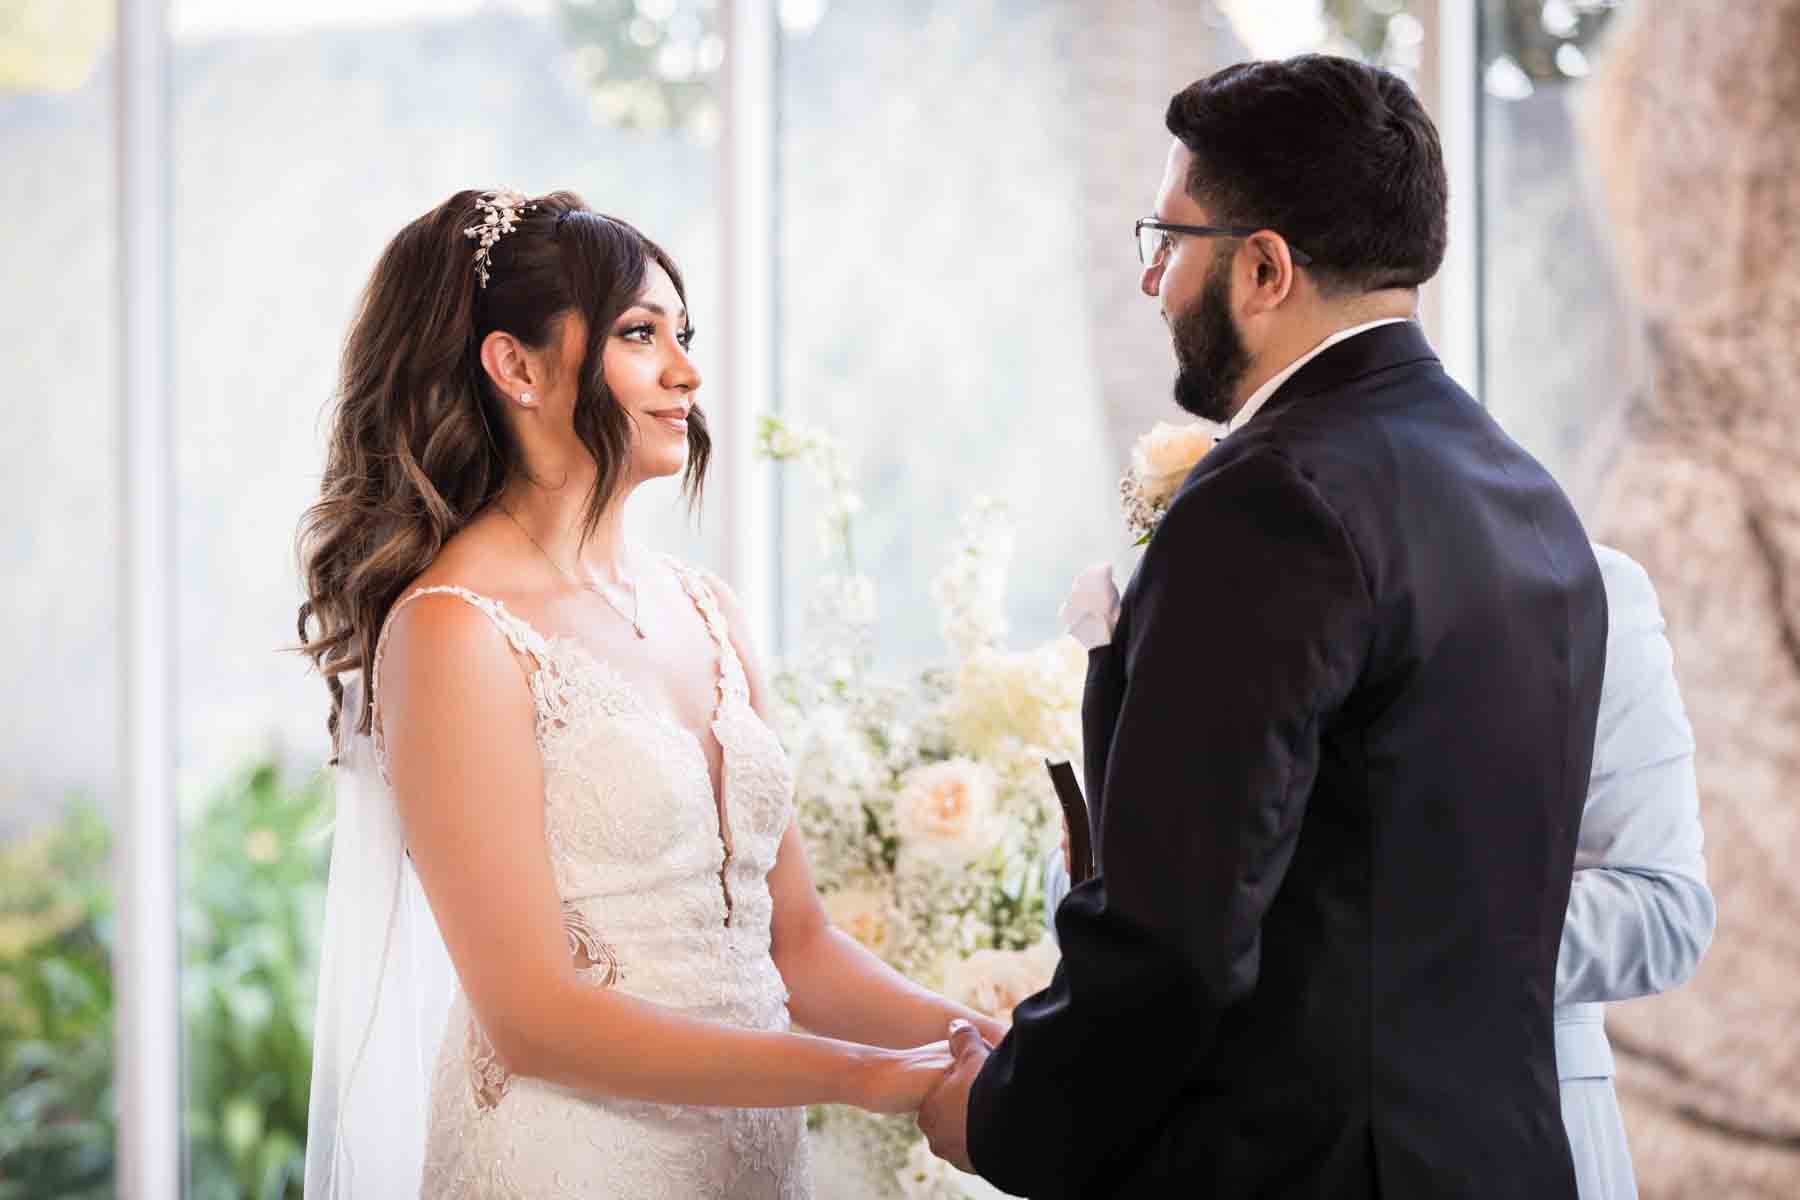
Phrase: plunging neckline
pixel 627 687
pixel 719 789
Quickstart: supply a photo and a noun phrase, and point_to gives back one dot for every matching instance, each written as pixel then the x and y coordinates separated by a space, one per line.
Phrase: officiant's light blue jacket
pixel 1640 914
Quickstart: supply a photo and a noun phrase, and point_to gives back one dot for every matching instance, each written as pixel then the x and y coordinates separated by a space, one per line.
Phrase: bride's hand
pixel 897 1081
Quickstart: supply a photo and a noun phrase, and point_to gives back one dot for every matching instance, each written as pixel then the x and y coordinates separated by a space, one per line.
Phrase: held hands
pixel 992 1032
pixel 897 1081
pixel 944 1118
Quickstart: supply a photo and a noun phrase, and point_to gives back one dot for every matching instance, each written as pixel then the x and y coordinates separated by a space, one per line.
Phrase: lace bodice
pixel 664 886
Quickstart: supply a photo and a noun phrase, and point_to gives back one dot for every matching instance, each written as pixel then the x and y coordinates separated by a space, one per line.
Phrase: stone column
pixel 1691 125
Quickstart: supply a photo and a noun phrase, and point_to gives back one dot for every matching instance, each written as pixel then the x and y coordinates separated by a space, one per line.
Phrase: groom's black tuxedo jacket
pixel 1336 758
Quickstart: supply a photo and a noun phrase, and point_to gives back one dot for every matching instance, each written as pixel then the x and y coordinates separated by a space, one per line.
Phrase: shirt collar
pixel 1261 395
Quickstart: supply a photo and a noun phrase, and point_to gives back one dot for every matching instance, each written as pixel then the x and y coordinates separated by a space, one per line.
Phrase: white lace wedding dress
pixel 665 895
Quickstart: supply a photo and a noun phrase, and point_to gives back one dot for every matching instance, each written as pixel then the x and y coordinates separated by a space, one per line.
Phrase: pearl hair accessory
pixel 500 216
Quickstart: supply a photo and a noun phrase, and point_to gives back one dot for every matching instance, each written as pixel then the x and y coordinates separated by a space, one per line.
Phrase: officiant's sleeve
pixel 1640 914
pixel 1243 632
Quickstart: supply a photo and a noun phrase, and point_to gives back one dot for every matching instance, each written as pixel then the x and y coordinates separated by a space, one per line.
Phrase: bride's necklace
pixel 592 585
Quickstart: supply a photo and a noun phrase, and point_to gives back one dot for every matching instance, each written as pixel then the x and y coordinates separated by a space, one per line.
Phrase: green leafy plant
pixel 56 1013
pixel 253 901
pixel 254 860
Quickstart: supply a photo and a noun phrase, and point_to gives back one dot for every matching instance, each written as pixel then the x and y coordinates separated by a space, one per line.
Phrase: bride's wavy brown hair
pixel 419 443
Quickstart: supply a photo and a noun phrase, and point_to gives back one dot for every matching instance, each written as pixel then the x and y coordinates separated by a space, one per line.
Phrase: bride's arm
pixel 835 986
pixel 462 756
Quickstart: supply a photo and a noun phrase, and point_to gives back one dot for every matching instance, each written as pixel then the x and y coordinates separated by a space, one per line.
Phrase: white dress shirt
pixel 1261 395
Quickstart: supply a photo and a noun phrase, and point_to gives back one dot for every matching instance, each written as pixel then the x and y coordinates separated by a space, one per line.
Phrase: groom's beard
pixel 1209 352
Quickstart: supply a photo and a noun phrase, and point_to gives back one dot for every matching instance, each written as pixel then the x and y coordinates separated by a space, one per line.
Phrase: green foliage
pixel 649 66
pixel 1533 33
pixel 254 897
pixel 254 863
pixel 56 1125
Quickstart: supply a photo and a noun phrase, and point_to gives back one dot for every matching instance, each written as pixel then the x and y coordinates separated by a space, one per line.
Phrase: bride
pixel 570 915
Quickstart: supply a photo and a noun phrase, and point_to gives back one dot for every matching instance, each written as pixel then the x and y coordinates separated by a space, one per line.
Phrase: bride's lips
pixel 673 418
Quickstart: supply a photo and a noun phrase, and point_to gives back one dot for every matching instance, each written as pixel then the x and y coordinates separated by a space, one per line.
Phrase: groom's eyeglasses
pixel 1153 240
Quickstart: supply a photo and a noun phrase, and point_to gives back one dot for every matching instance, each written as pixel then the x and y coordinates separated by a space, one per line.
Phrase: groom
pixel 1338 745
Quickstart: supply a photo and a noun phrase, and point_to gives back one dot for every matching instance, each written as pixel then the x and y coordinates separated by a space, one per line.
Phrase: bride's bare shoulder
pixel 451 664
pixel 478 557
pixel 478 564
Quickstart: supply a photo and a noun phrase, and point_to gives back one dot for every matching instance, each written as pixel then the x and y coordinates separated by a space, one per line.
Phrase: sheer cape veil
pixel 385 985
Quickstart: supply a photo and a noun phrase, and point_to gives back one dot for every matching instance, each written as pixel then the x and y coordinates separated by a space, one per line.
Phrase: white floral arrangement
pixel 923 799
pixel 1160 462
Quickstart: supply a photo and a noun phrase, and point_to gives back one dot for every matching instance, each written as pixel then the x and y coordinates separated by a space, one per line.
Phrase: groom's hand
pixel 944 1117
pixel 992 1032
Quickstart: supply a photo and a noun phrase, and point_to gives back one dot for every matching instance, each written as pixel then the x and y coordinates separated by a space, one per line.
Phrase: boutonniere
pixel 1160 461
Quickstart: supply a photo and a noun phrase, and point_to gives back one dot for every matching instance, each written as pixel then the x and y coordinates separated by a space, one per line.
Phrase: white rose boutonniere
pixel 1160 461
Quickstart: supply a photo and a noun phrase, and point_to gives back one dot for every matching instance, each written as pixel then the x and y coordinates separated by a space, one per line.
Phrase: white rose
pixel 861 913
pixel 945 811
pixel 1092 610
pixel 1163 458
pixel 993 982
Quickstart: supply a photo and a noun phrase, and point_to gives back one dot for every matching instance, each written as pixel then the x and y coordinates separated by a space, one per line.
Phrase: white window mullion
pixel 1448 86
pixel 744 494
pixel 146 950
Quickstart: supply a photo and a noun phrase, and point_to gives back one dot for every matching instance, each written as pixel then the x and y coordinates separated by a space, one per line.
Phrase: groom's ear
pixel 1271 273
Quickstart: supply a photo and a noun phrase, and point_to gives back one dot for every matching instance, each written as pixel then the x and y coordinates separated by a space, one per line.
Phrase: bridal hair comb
pixel 500 216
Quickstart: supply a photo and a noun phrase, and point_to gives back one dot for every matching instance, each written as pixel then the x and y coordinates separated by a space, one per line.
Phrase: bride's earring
pixel 525 400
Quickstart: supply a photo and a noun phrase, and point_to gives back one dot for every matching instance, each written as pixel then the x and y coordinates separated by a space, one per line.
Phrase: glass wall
pixel 1561 350
pixel 59 610
pixel 958 299
pixel 305 136
pixel 932 315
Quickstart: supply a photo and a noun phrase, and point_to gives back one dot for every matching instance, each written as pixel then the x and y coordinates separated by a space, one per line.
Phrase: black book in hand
pixel 1075 817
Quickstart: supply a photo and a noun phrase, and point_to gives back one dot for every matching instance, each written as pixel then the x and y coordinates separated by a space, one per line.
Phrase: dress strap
pixel 518 634
pixel 732 680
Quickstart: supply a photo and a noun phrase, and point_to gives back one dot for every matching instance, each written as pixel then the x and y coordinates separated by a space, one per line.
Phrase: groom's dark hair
pixel 1336 156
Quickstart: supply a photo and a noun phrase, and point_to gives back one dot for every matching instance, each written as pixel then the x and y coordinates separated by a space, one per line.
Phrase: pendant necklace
pixel 590 585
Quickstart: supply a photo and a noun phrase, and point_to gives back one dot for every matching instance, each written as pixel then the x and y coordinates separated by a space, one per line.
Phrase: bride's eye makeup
pixel 644 332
